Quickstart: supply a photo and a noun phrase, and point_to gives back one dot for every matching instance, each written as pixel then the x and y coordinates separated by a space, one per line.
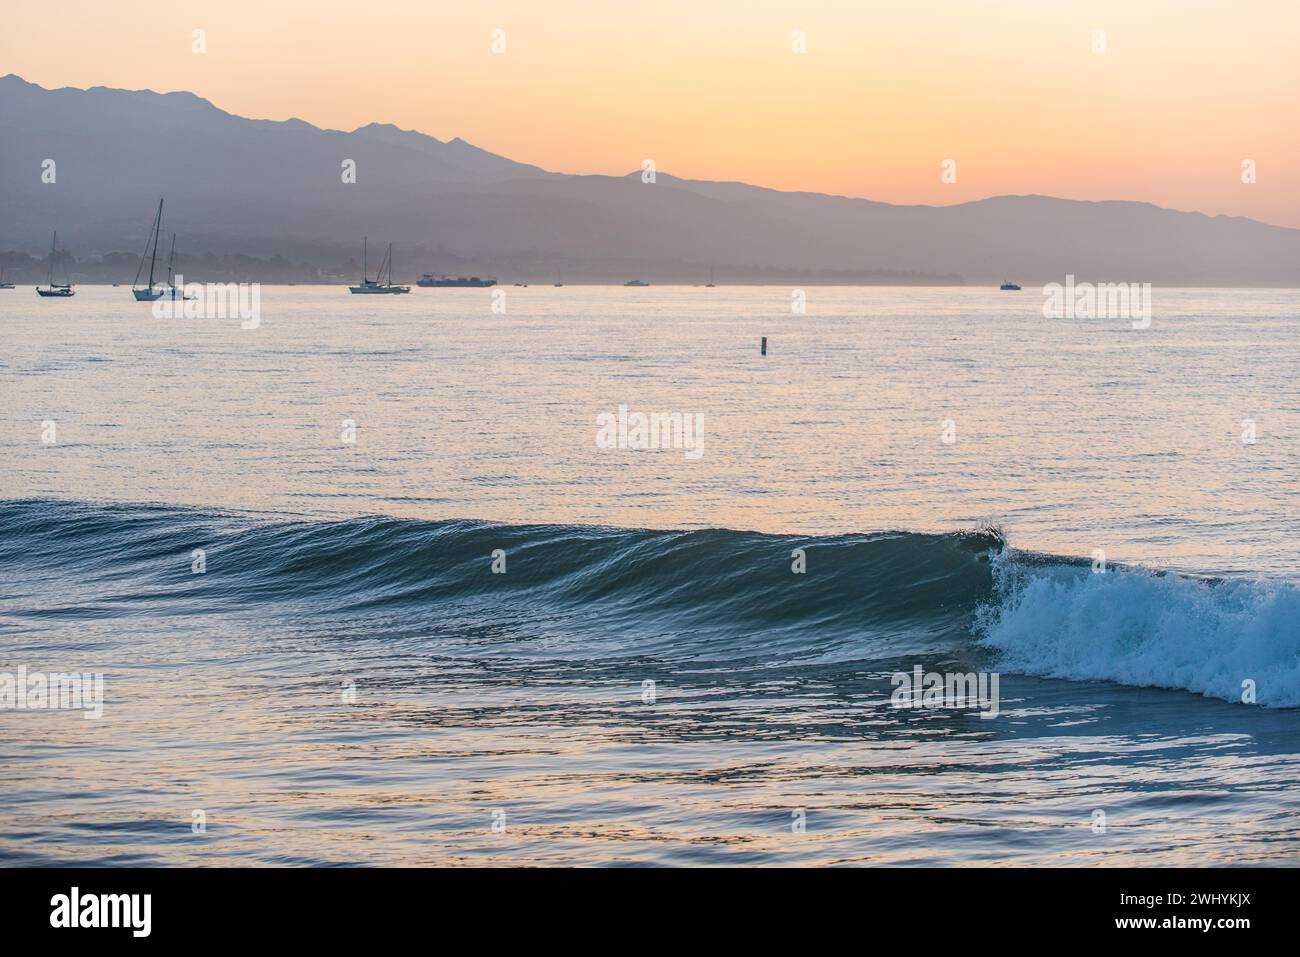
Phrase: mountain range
pixel 267 188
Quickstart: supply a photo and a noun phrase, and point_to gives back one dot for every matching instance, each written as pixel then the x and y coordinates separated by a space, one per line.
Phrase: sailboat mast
pixel 54 243
pixel 170 258
pixel 365 262
pixel 153 257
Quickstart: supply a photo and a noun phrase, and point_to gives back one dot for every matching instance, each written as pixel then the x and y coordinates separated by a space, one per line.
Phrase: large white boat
pixel 430 281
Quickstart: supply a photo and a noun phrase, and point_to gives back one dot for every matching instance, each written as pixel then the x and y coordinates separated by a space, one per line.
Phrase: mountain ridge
pixel 264 187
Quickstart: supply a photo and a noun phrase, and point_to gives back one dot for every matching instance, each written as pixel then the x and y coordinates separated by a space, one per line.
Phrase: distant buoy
pixel 763 347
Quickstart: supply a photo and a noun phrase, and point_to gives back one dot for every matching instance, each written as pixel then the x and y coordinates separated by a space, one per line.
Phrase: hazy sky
pixel 1011 91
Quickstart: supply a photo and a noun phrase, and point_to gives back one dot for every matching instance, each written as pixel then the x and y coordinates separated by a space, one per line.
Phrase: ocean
pixel 400 580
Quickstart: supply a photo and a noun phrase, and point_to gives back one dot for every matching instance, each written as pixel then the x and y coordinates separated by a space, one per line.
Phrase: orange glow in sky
pixel 1164 104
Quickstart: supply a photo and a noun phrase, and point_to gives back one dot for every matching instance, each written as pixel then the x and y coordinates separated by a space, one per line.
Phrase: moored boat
pixel 55 290
pixel 382 284
pixel 430 281
pixel 149 292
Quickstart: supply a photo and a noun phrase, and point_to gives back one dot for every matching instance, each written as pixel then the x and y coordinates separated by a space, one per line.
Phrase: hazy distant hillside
pixel 266 188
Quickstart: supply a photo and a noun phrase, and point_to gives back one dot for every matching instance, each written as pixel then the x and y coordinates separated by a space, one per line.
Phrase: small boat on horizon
pixel 635 282
pixel 3 284
pixel 380 285
pixel 1009 286
pixel 55 290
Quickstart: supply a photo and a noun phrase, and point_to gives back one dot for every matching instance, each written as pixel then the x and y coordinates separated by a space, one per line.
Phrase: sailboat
pixel 150 292
pixel 55 290
pixel 170 290
pixel 3 284
pixel 558 281
pixel 378 285
pixel 710 283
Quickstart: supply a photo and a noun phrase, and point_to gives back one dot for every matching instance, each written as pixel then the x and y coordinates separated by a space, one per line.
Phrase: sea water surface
pixel 278 546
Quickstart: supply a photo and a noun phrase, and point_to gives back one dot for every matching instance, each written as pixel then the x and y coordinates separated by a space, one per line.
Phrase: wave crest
pixel 1144 628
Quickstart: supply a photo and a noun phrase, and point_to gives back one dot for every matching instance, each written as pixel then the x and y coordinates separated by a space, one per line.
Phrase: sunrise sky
pixel 1010 90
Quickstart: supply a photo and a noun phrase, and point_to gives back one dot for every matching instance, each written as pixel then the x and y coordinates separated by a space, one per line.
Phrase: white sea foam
pixel 1137 627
